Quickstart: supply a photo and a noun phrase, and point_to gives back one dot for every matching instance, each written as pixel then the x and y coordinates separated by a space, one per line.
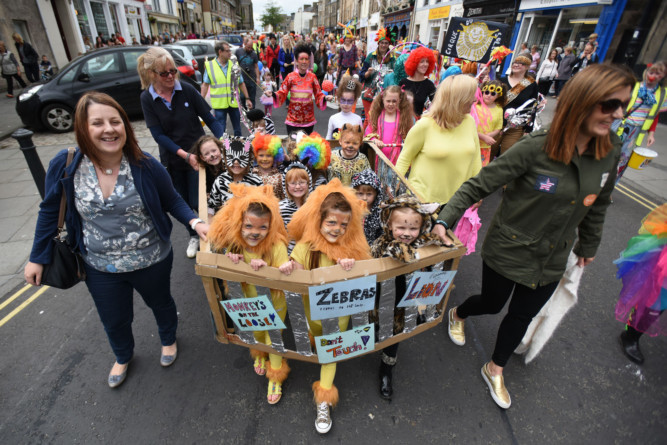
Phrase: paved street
pixel 581 389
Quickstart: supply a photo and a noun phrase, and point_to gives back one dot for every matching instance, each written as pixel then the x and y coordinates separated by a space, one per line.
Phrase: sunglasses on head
pixel 611 105
pixel 172 71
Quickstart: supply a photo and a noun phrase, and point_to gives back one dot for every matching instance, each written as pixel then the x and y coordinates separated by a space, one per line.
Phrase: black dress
pixel 422 90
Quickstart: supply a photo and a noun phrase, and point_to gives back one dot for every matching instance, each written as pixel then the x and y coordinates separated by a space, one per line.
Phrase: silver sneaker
pixel 323 421
pixel 193 247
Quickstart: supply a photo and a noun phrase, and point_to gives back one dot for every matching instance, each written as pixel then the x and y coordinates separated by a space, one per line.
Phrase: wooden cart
pixel 213 268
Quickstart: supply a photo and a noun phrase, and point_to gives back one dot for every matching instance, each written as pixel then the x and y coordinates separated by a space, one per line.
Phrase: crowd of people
pixel 296 204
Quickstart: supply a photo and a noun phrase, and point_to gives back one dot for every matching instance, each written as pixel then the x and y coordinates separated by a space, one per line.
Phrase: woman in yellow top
pixel 329 231
pixel 442 149
pixel 249 226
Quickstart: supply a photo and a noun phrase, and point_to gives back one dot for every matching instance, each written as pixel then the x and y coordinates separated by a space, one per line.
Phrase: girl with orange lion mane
pixel 249 226
pixel 329 231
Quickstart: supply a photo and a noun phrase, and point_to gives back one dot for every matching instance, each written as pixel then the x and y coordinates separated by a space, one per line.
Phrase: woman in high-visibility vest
pixel 641 117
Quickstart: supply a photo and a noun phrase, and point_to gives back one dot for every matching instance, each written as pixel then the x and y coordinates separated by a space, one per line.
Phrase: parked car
pixel 186 54
pixel 234 40
pixel 202 49
pixel 110 70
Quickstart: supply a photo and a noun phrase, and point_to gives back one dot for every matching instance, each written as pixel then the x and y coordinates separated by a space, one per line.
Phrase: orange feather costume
pixel 225 232
pixel 306 223
pixel 225 228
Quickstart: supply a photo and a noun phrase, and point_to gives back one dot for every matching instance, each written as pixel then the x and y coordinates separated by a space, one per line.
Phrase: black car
pixel 111 70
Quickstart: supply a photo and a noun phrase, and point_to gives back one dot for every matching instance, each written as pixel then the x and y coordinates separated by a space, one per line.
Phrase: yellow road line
pixel 15 296
pixel 643 198
pixel 635 199
pixel 23 305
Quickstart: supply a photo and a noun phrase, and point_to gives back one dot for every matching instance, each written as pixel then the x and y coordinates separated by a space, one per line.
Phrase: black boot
pixel 385 381
pixel 630 345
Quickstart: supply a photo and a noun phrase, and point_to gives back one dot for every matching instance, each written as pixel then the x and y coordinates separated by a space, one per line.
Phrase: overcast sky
pixel 258 8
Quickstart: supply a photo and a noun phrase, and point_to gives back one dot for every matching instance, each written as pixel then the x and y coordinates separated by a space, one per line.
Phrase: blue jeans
pixel 234 116
pixel 113 297
pixel 186 183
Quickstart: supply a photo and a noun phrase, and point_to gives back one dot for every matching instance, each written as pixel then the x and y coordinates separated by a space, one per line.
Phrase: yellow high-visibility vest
pixel 653 112
pixel 221 85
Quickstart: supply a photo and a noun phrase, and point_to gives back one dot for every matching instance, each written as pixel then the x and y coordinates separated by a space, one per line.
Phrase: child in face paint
pixel 406 227
pixel 269 154
pixel 238 161
pixel 329 232
pixel 249 227
pixel 369 189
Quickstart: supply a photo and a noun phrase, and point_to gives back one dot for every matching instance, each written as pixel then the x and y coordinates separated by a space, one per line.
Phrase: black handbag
pixel 66 266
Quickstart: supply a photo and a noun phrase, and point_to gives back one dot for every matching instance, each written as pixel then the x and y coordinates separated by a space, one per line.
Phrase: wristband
pixel 195 222
pixel 442 223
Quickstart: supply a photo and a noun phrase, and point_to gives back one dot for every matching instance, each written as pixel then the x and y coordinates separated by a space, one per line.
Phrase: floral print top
pixel 118 232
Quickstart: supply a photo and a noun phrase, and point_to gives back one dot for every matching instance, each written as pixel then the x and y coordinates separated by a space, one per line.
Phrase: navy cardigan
pixel 151 180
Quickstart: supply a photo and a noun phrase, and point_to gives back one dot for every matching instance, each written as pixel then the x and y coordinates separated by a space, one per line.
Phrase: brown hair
pixel 575 104
pixel 214 170
pixel 333 201
pixel 297 174
pixel 501 99
pixel 258 209
pixel 131 149
pixel 344 87
pixel 404 107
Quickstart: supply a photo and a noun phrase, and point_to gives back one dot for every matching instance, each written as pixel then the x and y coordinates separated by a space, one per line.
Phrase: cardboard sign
pixel 342 298
pixel 343 345
pixel 427 288
pixel 253 314
pixel 472 39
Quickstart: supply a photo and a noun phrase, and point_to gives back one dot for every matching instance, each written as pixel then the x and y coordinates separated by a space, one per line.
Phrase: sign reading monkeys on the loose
pixel 253 314
pixel 427 288
pixel 342 298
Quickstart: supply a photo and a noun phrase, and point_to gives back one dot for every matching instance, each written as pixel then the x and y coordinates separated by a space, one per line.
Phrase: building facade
pixel 431 20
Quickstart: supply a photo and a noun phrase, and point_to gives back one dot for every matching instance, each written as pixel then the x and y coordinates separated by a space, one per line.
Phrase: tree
pixel 273 15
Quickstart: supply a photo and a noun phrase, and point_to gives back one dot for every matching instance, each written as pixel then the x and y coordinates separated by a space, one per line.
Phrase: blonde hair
pixel 18 38
pixel 149 62
pixel 452 101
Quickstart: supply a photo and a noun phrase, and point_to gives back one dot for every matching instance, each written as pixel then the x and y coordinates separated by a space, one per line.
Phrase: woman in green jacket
pixel 559 183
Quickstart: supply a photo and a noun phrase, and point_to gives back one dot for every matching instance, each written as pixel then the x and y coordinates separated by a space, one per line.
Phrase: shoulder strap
pixel 63 199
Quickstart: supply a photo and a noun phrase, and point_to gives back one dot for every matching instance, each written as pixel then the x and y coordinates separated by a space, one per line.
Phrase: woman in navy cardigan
pixel 117 203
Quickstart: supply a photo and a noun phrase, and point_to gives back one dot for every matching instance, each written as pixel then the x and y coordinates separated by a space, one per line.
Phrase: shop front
pixel 561 23
pixel 399 21
pixel 502 11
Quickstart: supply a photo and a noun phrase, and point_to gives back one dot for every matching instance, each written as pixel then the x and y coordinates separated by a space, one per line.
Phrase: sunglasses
pixel 489 93
pixel 611 105
pixel 172 71
pixel 346 101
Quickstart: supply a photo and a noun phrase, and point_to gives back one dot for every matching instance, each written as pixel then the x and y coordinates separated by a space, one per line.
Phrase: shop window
pixel 82 19
pixel 433 38
pixel 99 19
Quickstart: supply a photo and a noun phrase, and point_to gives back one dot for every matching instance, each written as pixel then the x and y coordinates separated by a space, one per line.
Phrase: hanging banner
pixel 344 345
pixel 253 314
pixel 427 288
pixel 342 298
pixel 472 39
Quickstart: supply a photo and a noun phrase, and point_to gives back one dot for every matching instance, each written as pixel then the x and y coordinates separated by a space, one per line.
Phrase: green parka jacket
pixel 532 233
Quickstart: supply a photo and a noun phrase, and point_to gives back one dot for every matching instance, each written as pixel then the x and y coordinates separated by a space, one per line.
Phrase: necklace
pixel 106 171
